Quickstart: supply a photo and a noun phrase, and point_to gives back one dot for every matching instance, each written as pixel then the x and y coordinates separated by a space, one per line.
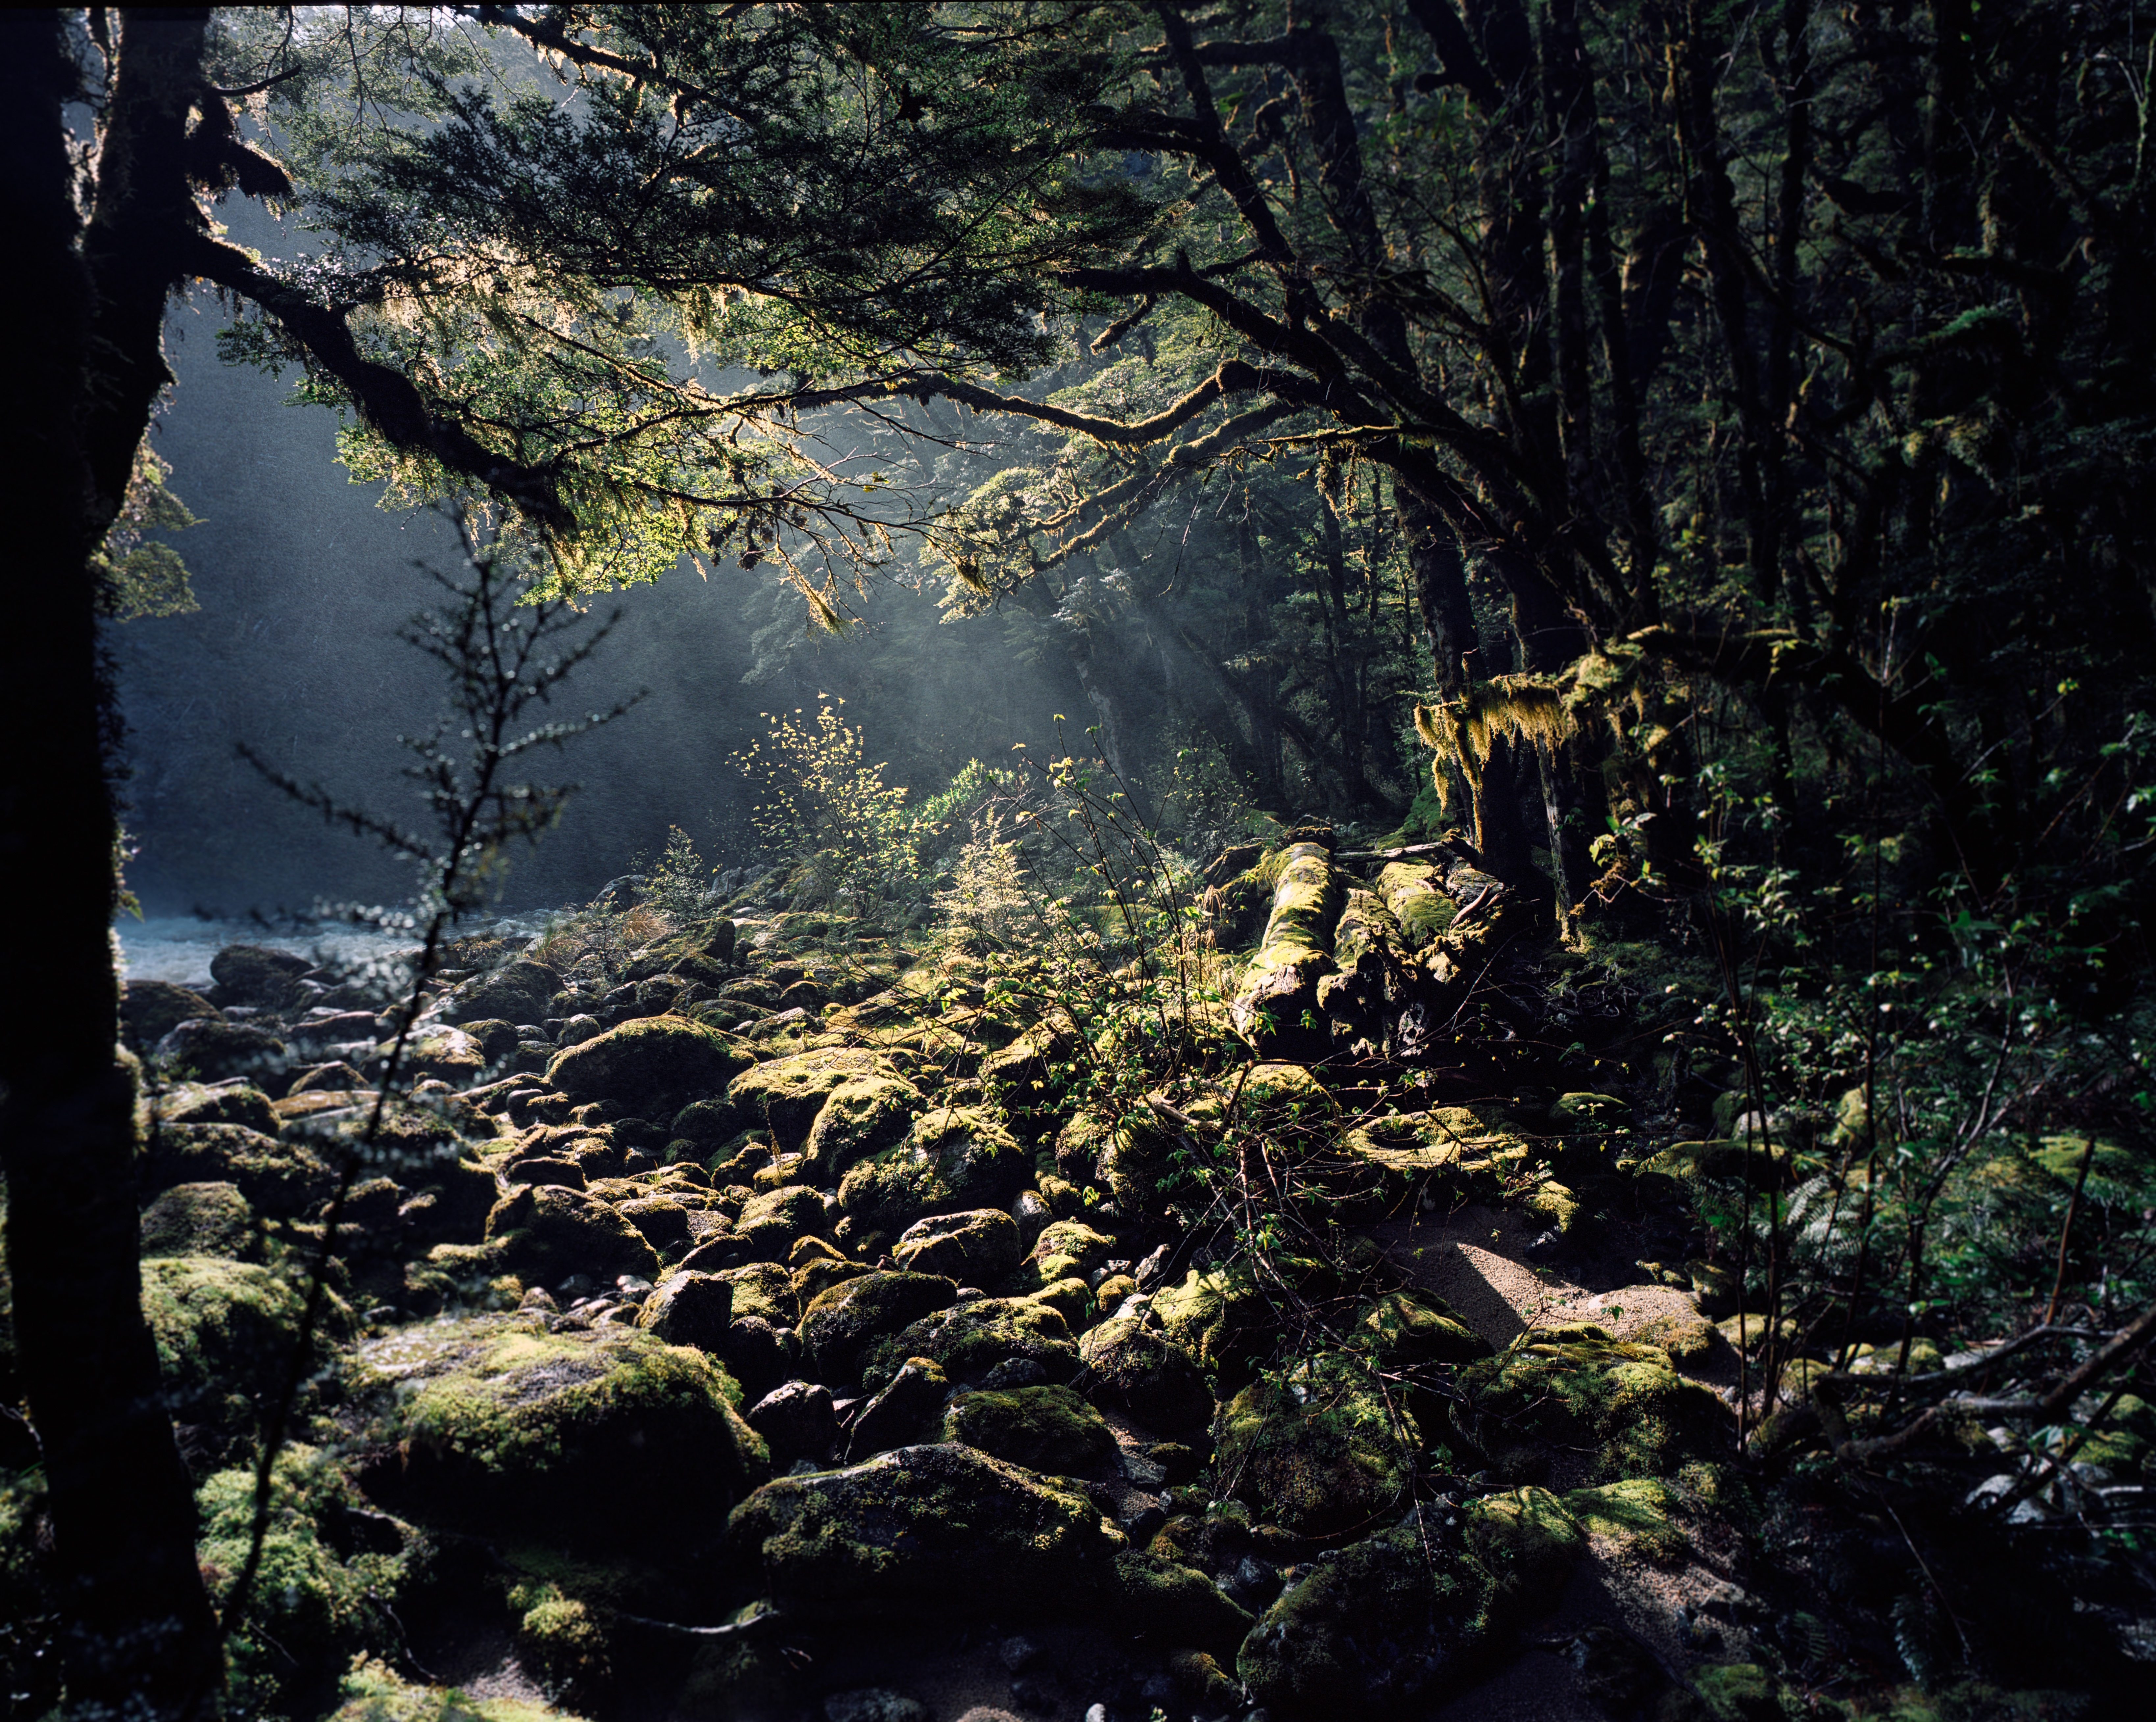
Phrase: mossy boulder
pixel 547 1232
pixel 1322 1455
pixel 652 1065
pixel 1146 1374
pixel 1638 1513
pixel 773 1221
pixel 202 1220
pixel 220 1103
pixel 225 1333
pixel 1222 1318
pixel 1386 1627
pixel 1048 1428
pixel 259 975
pixel 284 1180
pixel 1139 1166
pixel 862 1117
pixel 150 1010
pixel 1070 1247
pixel 688 1308
pixel 765 1290
pixel 969 1340
pixel 786 1094
pixel 953 1157
pixel 1171 1604
pixel 213 1049
pixel 841 1324
pixel 516 992
pixel 606 1437
pixel 940 1530
pixel 1525 1539
pixel 1411 1328
pixel 975 1247
pixel 1577 1389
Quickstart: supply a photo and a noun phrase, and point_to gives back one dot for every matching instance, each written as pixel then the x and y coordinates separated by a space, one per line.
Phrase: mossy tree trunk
pixel 139 1637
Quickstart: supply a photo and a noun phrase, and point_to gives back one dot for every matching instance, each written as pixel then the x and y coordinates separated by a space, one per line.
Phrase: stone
pixel 1525 1539
pixel 608 1436
pixel 651 1065
pixel 975 1247
pixel 1174 1604
pixel 547 1232
pixel 257 975
pixel 516 993
pixel 770 1225
pixel 953 1157
pixel 202 1220
pixel 763 1289
pixel 688 1308
pixel 226 1103
pixel 874 1704
pixel 1321 1461
pixel 799 1420
pixel 759 1354
pixel 1067 1248
pixel 150 1010
pixel 1220 1318
pixel 663 1220
pixel 1413 1329
pixel 284 1180
pixel 1043 1429
pixel 905 1412
pixel 212 1049
pixel 225 1332
pixel 842 1323
pixel 971 1339
pixel 786 1094
pixel 933 1531
pixel 1157 1381
pixel 1031 1214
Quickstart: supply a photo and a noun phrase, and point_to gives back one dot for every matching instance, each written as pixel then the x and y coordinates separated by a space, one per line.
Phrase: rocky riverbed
pixel 732 1317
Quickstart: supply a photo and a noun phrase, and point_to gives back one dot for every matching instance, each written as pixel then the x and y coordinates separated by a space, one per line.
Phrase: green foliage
pixel 675 883
pixel 141 576
pixel 825 809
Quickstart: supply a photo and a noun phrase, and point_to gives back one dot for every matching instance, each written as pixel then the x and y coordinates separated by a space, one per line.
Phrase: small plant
pixel 825 809
pixel 677 881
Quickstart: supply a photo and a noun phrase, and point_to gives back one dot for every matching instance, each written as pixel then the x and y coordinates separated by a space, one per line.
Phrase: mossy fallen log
pixel 1277 1007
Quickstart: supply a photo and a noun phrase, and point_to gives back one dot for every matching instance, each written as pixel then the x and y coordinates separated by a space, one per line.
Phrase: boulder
pixel 662 1220
pixel 516 993
pixel 932 1530
pixel 1043 1429
pixel 763 1289
pixel 211 1049
pixel 225 1332
pixel 863 1117
pixel 202 1220
pixel 978 1247
pixel 1070 1247
pixel 1412 1328
pixel 606 1437
pixel 1326 1460
pixel 547 1232
pixel 256 974
pixel 969 1340
pixel 1222 1318
pixel 226 1103
pixel 1159 1383
pixel 787 1094
pixel 688 1308
pixel 440 1053
pixel 150 1010
pixel 1386 1627
pixel 842 1323
pixel 772 1223
pixel 651 1065
pixel 282 1180
pixel 799 1420
pixel 953 1157
pixel 905 1412
pixel 1172 1604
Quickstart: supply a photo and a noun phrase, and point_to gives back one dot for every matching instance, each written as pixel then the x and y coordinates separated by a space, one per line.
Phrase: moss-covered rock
pixel 1068 1248
pixel 663 1220
pixel 150 1010
pixel 547 1232
pixel 222 1103
pixel 786 1094
pixel 1048 1428
pixel 765 1290
pixel 953 1157
pixel 904 1410
pixel 1413 1329
pixel 374 1692
pixel 839 1325
pixel 225 1333
pixel 1526 1540
pixel 284 1180
pixel 652 1065
pixel 688 1308
pixel 969 1340
pixel 975 1247
pixel 1069 1298
pixel 212 1049
pixel 863 1116
pixel 1172 1604
pixel 1146 1374
pixel 1385 1627
pixel 1322 1455
pixel 772 1222
pixel 516 992
pixel 1222 1318
pixel 1638 1513
pixel 1578 1389
pixel 609 1436
pixel 1138 1164
pixel 932 1530
pixel 202 1220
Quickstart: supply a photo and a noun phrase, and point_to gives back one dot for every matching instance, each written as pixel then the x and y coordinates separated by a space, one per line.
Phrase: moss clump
pixel 372 1692
pixel 225 1332
pixel 202 1220
pixel 1384 1626
pixel 953 1157
pixel 1578 1389
pixel 938 1529
pixel 1319 1452
pixel 1172 1604
pixel 331 1575
pixel 610 1437
pixel 1047 1428
pixel 1636 1514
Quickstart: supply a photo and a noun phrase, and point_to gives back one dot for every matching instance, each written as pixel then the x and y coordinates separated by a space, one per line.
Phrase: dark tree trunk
pixel 139 1636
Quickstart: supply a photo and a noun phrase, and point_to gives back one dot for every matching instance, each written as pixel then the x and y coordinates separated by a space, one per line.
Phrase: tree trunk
pixel 139 1637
